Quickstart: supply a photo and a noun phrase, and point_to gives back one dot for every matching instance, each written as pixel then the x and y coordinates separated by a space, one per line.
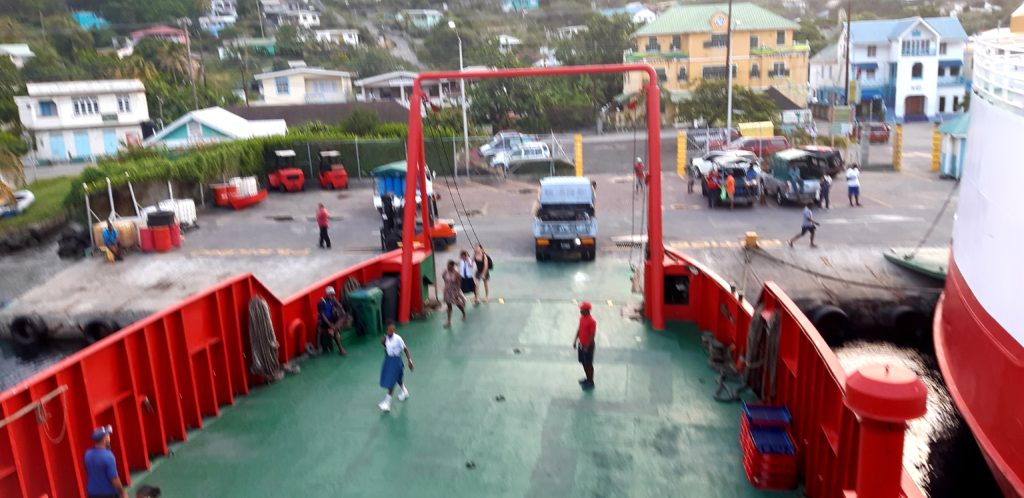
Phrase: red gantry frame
pixel 654 286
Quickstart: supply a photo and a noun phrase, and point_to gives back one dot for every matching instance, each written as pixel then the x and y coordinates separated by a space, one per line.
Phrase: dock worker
pixel 330 320
pixel 810 225
pixel 111 242
pixel 101 467
pixel 392 371
pixel 639 174
pixel 323 221
pixel 730 189
pixel 584 344
pixel 853 184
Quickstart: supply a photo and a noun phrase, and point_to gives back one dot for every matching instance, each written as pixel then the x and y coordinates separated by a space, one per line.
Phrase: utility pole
pixel 849 24
pixel 728 72
pixel 185 22
pixel 462 90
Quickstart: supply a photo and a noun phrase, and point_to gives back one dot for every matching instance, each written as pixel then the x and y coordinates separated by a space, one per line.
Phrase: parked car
pixel 762 147
pixel 833 160
pixel 528 151
pixel 878 132
pixel 747 189
pixel 700 166
pixel 711 138
pixel 503 141
pixel 795 176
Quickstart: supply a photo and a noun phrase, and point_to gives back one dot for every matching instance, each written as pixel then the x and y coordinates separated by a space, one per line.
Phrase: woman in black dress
pixel 483 270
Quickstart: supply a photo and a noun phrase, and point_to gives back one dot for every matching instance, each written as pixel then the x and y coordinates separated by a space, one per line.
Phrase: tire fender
pixel 29 330
pixel 96 330
pixel 831 322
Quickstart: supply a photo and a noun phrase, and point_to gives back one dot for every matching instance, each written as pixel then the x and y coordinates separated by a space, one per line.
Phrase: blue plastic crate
pixel 766 415
pixel 772 441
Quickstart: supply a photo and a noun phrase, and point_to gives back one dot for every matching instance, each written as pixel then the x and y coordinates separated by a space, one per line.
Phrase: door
pixel 58 152
pixel 82 148
pixel 109 142
pixel 913 105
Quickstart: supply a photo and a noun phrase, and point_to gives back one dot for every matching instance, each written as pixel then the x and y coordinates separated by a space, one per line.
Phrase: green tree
pixel 168 57
pixel 441 48
pixel 535 105
pixel 604 42
pixel 709 102
pixel 360 122
pixel 10 85
pixel 811 33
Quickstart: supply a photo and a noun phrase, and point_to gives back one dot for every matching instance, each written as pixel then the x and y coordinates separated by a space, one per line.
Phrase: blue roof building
pixel 89 20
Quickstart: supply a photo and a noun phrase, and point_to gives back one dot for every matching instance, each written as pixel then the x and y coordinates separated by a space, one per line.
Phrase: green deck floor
pixel 650 428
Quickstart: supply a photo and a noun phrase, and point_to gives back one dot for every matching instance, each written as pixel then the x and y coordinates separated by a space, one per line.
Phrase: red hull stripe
pixel 982 365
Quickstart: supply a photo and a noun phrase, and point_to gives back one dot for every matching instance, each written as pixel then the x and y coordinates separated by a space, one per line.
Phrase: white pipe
pixel 110 197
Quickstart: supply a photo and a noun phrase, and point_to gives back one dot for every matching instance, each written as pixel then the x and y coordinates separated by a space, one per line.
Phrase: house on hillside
pixel 212 125
pixel 397 86
pixel 424 19
pixel 636 11
pixel 234 49
pixel 508 43
pixel 906 69
pixel 519 5
pixel 17 52
pixel 80 120
pixel 215 24
pixel 305 85
pixel 160 32
pixel 89 20
pixel 567 32
pixel 338 36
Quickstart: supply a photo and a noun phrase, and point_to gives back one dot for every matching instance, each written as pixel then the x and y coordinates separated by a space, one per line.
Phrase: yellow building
pixel 687 43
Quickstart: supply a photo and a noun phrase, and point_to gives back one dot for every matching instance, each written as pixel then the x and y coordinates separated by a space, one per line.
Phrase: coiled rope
pixel 264 343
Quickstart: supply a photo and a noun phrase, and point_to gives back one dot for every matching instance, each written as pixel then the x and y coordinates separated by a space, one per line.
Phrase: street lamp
pixel 462 91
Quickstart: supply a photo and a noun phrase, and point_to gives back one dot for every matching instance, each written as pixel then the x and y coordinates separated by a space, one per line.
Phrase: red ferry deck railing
pixel 810 380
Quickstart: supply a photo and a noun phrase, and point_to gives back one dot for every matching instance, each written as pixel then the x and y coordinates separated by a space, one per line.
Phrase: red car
pixel 879 133
pixel 762 147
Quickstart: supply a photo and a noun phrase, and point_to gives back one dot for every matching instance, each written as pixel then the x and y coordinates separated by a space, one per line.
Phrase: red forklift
pixel 332 173
pixel 283 175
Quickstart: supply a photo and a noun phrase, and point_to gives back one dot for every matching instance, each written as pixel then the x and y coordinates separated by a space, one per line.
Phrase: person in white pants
pixel 391 372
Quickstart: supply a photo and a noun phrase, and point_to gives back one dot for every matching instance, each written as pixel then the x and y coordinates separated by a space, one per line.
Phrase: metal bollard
pixel 885 398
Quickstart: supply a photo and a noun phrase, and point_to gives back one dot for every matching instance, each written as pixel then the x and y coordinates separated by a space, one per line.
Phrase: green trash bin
pixel 366 306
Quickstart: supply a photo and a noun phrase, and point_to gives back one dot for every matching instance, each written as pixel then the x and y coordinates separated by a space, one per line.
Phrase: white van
pixel 529 151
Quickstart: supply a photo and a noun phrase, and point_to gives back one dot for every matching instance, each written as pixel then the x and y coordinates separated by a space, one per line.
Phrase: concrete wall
pixel 96 138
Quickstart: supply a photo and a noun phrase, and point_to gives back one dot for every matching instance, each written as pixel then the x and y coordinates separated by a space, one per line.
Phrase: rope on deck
pixel 760 362
pixel 264 344
pixel 41 416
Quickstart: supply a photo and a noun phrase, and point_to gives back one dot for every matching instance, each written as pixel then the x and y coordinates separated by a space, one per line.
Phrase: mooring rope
pixel 264 343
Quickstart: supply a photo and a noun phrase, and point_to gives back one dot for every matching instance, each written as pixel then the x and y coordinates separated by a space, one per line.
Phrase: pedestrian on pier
pixel 484 265
pixel 101 467
pixel 853 184
pixel 392 371
pixel 467 269
pixel 810 225
pixel 584 344
pixel 639 174
pixel 453 292
pixel 826 187
pixel 323 221
pixel 730 189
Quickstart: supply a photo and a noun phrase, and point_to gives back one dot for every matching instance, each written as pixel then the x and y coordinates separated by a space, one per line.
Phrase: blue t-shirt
pixel 101 469
pixel 109 236
pixel 327 309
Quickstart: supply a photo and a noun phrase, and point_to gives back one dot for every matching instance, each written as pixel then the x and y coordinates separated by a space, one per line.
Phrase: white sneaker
pixel 404 395
pixel 385 406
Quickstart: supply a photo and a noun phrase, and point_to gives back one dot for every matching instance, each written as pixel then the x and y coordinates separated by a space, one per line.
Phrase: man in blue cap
pixel 101 469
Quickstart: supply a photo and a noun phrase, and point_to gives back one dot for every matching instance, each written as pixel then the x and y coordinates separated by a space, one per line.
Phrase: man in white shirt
pixel 392 371
pixel 853 184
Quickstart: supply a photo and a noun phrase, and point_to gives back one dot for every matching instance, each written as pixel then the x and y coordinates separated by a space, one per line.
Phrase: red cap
pixel 585 305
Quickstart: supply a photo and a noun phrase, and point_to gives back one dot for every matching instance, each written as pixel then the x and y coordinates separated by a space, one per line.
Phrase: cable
pixel 935 222
pixel 764 254
pixel 42 416
pixel 468 221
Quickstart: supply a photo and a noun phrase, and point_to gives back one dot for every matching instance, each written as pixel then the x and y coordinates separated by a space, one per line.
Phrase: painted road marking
pixel 875 218
pixel 886 204
pixel 711 244
pixel 265 251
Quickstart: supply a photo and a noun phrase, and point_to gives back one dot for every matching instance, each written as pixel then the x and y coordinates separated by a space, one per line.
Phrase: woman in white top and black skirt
pixel 467 268
pixel 392 371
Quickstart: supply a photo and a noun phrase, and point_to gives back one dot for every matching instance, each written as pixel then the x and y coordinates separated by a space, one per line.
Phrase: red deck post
pixel 414 148
pixel 656 248
pixel 885 397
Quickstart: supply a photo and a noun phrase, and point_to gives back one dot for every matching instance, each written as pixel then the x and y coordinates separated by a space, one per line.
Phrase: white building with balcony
pixel 80 120
pixel 305 85
pixel 337 36
pixel 908 69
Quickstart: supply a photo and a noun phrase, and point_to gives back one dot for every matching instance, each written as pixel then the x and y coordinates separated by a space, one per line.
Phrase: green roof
pixel 956 126
pixel 395 168
pixel 697 19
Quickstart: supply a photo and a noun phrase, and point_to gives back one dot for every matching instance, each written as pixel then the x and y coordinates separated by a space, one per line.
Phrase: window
pixel 956 104
pixel 941 71
pixel 47 108
pixel 717 41
pixel 780 38
pixel 778 70
pixel 195 129
pixel 872 51
pixel 682 74
pixel 662 77
pixel 677 42
pixel 755 71
pixel 86 106
pixel 942 49
pixel 124 103
pixel 717 72
pixel 917 47
pixel 942 104
pixel 870 74
pixel 830 71
pixel 954 71
pixel 917 71
pixel 282 85
pixel 652 44
pixel 753 42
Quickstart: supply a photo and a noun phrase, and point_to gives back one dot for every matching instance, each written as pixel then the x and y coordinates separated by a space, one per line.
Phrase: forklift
pixel 388 192
pixel 332 173
pixel 283 175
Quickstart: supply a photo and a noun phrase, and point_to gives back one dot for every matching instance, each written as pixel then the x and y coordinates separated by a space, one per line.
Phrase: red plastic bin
pixel 161 239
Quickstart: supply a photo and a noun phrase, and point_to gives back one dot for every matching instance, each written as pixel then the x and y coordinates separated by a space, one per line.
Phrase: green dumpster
pixel 366 307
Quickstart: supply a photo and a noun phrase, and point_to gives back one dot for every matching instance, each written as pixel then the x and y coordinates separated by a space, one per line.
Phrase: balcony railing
pixel 784 73
pixel 653 56
pixel 794 48
pixel 998 72
pixel 951 80
pixel 918 52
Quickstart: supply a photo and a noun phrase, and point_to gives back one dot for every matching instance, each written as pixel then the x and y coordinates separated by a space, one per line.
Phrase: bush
pixel 360 122
pixel 13 144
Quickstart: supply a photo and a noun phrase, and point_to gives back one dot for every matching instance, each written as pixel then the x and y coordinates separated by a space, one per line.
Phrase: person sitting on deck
pixel 111 245
pixel 330 319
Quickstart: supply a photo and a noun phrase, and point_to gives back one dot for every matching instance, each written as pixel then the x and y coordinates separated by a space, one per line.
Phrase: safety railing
pixel 153 381
pixel 999 68
pixel 810 380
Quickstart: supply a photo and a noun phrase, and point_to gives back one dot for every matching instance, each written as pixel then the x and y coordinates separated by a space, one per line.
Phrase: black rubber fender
pixel 96 330
pixel 29 335
pixel 908 322
pixel 831 322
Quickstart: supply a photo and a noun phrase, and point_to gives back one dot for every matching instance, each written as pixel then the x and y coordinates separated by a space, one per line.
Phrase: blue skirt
pixel 391 371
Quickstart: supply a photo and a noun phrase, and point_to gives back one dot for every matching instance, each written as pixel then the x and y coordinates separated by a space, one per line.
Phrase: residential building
pixel 792 116
pixel 338 36
pixel 160 32
pixel 424 19
pixel 80 120
pixel 636 11
pixel 826 76
pixel 687 44
pixel 17 52
pixel 224 8
pixel 308 19
pixel 567 32
pixel 305 85
pixel 88 20
pixel 214 24
pixel 212 125
pixel 508 43
pixel 519 5
pixel 397 86
pixel 234 49
pixel 904 69
pixel 547 58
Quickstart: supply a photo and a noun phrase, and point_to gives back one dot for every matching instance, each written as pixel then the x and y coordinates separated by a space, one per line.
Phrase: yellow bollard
pixel 936 148
pixel 681 154
pixel 578 142
pixel 897 149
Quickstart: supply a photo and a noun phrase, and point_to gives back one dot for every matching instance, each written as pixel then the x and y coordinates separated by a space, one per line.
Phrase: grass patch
pixel 50 194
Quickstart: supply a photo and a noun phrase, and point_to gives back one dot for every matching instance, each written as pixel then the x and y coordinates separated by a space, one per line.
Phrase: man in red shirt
pixel 322 218
pixel 640 174
pixel 584 344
